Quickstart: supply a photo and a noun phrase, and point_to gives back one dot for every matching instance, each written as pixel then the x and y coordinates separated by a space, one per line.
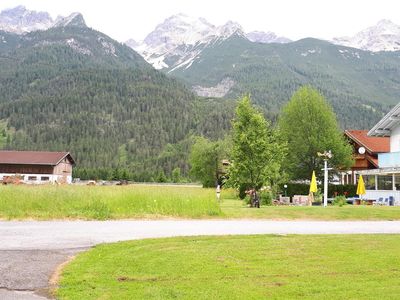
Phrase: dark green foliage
pixel 257 149
pixel 176 175
pixel 75 89
pixel 361 86
pixel 309 125
pixel 266 197
pixel 334 190
pixel 339 201
pixel 206 160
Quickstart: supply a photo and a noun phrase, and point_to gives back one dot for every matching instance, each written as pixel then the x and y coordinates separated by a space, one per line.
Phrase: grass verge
pixel 238 267
pixel 155 202
pixel 236 209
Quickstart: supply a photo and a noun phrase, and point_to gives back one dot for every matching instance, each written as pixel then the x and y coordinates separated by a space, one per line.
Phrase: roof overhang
pixel 355 139
pixel 379 171
pixel 387 123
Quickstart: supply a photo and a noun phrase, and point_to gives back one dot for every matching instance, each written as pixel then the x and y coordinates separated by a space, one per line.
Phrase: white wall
pixel 370 194
pixel 52 178
pixel 395 139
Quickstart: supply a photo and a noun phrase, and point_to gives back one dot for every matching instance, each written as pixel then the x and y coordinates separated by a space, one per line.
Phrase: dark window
pixel 44 178
pixel 385 182
pixel 32 178
pixel 397 181
pixel 369 181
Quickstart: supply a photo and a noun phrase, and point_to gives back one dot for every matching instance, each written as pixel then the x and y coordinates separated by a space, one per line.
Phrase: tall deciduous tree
pixel 309 125
pixel 258 150
pixel 206 160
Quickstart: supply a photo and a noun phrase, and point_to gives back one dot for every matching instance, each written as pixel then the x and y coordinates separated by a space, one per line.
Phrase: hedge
pixel 334 190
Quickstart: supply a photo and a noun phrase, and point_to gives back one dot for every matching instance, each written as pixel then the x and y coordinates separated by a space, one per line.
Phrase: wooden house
pixel 365 152
pixel 36 167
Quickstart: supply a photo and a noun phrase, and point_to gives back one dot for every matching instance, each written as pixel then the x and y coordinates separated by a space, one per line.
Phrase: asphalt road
pixel 30 251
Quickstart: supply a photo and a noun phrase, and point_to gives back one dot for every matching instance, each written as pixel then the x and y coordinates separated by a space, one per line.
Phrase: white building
pixel 384 182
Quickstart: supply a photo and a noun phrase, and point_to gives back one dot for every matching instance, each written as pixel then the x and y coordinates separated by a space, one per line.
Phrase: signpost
pixel 326 155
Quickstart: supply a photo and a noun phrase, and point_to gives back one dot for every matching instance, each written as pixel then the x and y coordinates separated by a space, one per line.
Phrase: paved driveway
pixel 30 251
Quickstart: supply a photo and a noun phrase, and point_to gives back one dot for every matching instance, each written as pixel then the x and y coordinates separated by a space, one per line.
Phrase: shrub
pixel 340 201
pixel 334 190
pixel 266 198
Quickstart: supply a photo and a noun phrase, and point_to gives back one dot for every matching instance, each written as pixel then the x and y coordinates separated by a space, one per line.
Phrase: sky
pixel 125 19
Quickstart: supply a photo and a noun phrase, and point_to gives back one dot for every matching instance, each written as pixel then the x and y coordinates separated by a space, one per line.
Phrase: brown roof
pixel 33 157
pixel 371 143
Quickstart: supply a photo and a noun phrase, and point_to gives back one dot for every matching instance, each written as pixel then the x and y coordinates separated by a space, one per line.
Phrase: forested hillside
pixel 74 89
pixel 361 85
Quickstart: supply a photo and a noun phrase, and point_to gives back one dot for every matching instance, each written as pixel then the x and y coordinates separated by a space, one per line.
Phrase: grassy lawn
pixel 236 209
pixel 105 202
pixel 238 267
pixel 154 202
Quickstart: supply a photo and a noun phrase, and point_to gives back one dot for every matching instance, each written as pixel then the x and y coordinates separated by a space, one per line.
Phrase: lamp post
pixel 285 187
pixel 326 155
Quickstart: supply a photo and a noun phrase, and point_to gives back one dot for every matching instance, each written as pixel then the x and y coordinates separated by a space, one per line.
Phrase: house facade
pixel 384 181
pixel 36 167
pixel 365 153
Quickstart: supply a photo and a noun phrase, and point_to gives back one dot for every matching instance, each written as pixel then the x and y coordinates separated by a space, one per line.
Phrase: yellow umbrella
pixel 313 188
pixel 360 186
pixel 313 185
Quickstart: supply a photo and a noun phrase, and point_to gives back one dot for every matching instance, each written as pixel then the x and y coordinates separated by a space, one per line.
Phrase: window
pixel 385 182
pixel 32 178
pixel 397 181
pixel 45 178
pixel 369 181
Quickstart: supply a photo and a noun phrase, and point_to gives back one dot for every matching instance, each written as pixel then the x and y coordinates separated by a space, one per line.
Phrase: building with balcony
pixel 365 153
pixel 384 181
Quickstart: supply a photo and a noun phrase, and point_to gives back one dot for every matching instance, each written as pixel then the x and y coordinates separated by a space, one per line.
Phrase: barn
pixel 36 167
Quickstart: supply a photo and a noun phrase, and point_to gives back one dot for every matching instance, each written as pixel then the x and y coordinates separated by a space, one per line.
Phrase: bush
pixel 266 198
pixel 347 190
pixel 340 201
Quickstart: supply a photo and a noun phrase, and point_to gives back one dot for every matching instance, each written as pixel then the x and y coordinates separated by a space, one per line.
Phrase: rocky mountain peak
pixel 74 19
pixel 21 20
pixel 266 37
pixel 384 36
pixel 178 30
pixel 230 28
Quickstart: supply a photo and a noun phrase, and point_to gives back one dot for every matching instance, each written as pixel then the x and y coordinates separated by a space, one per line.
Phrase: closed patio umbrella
pixel 313 187
pixel 360 187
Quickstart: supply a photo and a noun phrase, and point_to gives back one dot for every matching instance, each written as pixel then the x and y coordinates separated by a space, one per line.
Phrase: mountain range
pixel 136 106
pixel 176 42
pixel 20 20
pixel 73 88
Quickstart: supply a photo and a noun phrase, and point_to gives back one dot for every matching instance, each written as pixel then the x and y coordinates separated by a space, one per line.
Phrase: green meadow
pixel 105 202
pixel 238 267
pixel 18 202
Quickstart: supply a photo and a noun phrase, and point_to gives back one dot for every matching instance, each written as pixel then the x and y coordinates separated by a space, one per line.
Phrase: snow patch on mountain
pixel 347 53
pixel 72 43
pixel 384 36
pixel 108 47
pixel 75 45
pixel 311 51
